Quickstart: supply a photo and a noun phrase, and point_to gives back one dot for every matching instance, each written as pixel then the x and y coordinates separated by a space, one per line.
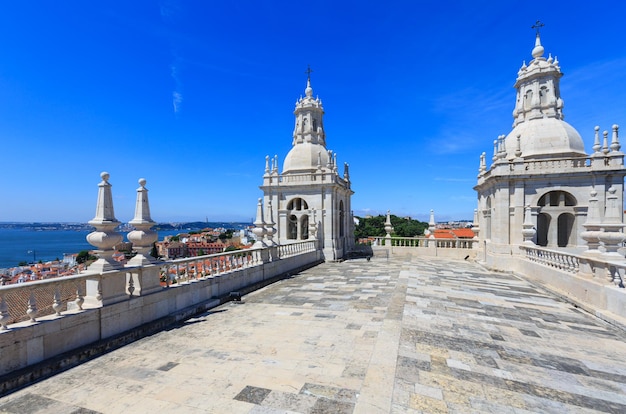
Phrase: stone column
pixel 528 228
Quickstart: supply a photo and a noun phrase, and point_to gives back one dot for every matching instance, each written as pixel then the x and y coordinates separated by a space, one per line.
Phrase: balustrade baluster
pixel 56 301
pixel 32 307
pixel 80 297
pixel 131 284
pixel 609 273
pixel 4 313
pixel 99 290
pixel 618 280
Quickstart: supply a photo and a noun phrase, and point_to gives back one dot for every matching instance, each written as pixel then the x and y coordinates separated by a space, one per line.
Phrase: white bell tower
pixel 309 199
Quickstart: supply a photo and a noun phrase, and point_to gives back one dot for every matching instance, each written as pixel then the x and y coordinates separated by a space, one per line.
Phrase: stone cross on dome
pixel 308 72
pixel 537 26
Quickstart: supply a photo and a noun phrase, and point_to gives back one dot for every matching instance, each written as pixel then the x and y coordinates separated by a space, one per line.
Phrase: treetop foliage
pixel 375 226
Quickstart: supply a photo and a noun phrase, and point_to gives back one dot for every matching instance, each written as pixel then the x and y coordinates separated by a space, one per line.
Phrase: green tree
pixel 154 252
pixel 375 227
pixel 84 256
pixel 228 234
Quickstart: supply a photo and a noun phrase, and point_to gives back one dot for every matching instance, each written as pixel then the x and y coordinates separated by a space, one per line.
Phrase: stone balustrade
pixel 425 242
pixel 593 281
pixel 602 268
pixel 42 319
pixel 567 262
pixel 308 177
pixel 450 248
pixel 561 164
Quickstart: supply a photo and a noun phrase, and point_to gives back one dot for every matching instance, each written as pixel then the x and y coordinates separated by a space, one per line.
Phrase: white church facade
pixel 542 188
pixel 309 199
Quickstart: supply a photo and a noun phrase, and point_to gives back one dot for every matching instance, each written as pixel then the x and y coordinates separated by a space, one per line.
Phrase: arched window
pixel 528 97
pixel 298 223
pixel 556 222
pixel 297 204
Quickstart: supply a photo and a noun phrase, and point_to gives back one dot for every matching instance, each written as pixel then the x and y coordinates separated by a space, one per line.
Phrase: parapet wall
pixel 594 282
pixel 25 344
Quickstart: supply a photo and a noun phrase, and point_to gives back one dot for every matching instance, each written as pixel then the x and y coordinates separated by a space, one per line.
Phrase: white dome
pixel 545 138
pixel 304 157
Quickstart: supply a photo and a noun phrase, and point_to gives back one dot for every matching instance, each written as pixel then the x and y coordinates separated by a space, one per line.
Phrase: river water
pixel 17 245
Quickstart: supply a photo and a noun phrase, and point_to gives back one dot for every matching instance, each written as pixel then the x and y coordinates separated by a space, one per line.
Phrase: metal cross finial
pixel 308 72
pixel 538 25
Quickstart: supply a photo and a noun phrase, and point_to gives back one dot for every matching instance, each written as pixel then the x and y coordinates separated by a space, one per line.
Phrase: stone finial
pixel 502 149
pixel 388 226
pixel 431 224
pixel 267 164
pixel 596 142
pixel 495 150
pixel 518 148
pixel 269 225
pixel 605 142
pixel 615 145
pixel 275 169
pixel 483 163
pixel 259 229
pixel 346 171
pixel 104 238
pixel 592 224
pixel 612 225
pixel 104 205
pixel 476 225
pixel 538 50
pixel 142 237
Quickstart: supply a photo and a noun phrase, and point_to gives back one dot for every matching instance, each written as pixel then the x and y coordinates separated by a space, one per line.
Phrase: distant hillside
pixel 199 225
pixel 192 226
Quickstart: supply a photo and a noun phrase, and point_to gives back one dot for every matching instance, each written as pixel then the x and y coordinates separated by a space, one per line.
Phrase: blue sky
pixel 192 95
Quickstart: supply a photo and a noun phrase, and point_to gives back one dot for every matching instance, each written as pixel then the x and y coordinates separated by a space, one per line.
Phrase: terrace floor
pixel 400 335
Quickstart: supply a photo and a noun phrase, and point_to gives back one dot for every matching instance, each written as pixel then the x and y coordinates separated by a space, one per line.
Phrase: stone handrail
pixel 30 300
pixel 44 319
pixel 555 164
pixel 600 267
pixel 307 177
pixel 567 262
pixel 424 242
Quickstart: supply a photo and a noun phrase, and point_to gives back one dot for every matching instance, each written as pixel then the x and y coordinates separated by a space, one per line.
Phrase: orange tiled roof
pixel 463 233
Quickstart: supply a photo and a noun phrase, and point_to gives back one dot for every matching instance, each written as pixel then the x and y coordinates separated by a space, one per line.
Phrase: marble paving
pixel 397 335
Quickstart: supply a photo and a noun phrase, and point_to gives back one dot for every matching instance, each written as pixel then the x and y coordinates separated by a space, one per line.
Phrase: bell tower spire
pixel 538 93
pixel 309 117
